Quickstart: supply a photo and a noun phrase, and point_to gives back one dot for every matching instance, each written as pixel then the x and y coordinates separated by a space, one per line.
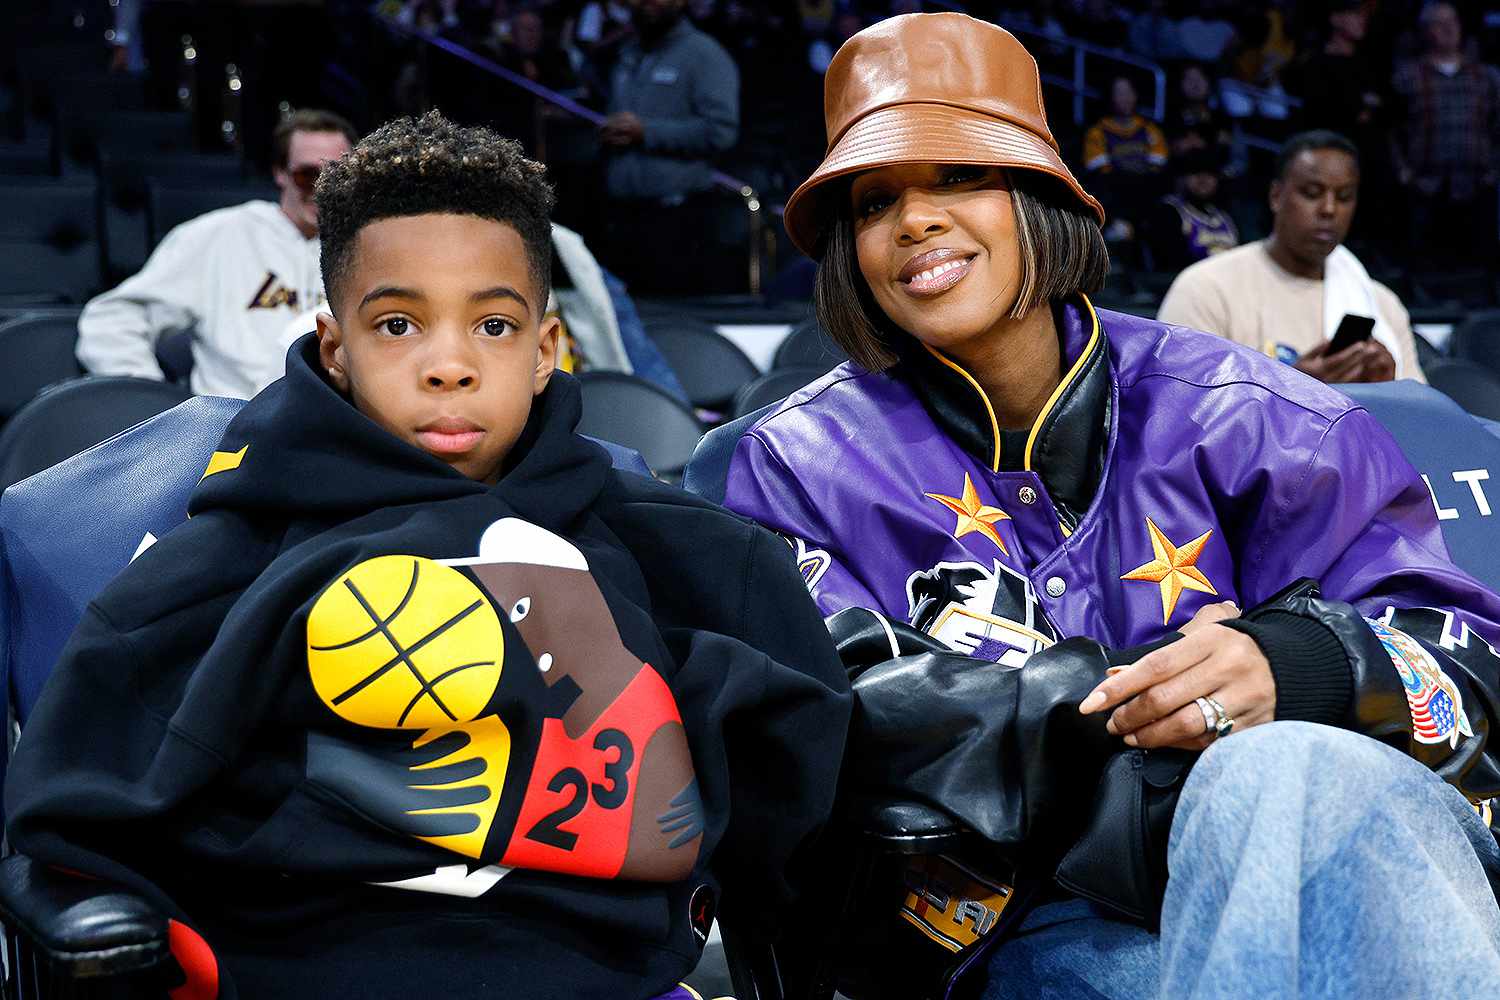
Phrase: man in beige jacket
pixel 1286 295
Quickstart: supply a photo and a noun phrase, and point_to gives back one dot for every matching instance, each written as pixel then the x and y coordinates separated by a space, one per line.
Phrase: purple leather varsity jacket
pixel 1169 469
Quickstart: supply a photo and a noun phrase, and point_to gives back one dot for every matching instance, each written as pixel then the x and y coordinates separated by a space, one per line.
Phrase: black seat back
pixel 707 470
pixel 76 415
pixel 125 185
pixel 44 274
pixel 1474 388
pixel 35 351
pixel 709 366
pixel 630 411
pixel 63 213
pixel 807 346
pixel 774 386
pixel 170 205
pixel 81 135
pixel 1477 339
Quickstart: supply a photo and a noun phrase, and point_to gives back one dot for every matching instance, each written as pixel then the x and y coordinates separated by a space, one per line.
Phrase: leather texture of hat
pixel 928 88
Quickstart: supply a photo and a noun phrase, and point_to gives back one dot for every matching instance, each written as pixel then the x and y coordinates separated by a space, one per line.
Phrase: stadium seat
pixel 125 179
pixel 1457 456
pixel 709 466
pixel 28 161
pixel 82 135
pixel 35 351
pixel 73 416
pixel 36 273
pixel 1474 388
pixel 169 205
pixel 774 386
pixel 807 346
pixel 709 366
pixel 1427 352
pixel 174 353
pixel 630 411
pixel 61 213
pixel 1477 339
pixel 1472 288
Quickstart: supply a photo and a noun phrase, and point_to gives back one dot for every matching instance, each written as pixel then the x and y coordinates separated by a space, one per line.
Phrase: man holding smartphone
pixel 1300 295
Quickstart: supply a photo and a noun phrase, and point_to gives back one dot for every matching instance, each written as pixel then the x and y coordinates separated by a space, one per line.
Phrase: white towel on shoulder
pixel 1347 289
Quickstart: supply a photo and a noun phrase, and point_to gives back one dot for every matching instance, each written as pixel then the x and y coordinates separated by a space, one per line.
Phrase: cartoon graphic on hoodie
pixel 413 645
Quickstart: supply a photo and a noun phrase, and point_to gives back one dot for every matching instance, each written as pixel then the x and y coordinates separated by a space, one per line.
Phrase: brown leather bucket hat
pixel 929 88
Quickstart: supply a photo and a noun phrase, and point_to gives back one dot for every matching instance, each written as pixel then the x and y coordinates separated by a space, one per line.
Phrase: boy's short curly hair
pixel 416 166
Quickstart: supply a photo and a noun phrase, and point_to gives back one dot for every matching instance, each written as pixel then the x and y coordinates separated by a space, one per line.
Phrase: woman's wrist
pixel 1313 675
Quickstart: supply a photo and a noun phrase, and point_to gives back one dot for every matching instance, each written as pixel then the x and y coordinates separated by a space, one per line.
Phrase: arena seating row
pixel 91 179
pixel 71 508
pixel 722 382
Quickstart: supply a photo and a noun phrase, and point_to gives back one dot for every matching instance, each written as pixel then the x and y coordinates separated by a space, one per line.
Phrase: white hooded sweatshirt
pixel 234 277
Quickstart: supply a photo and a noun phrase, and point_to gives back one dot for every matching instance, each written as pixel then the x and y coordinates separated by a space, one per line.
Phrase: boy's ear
pixel 331 351
pixel 546 354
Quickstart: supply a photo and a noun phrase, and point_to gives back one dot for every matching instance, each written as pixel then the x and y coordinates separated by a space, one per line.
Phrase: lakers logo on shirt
pixel 405 643
pixel 271 295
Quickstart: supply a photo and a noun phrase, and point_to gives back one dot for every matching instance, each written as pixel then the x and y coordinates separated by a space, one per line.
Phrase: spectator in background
pixel 1102 23
pixel 232 278
pixel 673 106
pixel 1262 47
pixel 528 51
pixel 1445 143
pixel 1342 87
pixel 1193 120
pixel 1186 226
pixel 1339 86
pixel 603 25
pixel 1287 294
pixel 1124 154
pixel 1204 35
pixel 821 49
pixel 1156 34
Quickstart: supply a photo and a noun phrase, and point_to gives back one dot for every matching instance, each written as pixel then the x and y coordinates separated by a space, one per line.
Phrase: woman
pixel 1003 466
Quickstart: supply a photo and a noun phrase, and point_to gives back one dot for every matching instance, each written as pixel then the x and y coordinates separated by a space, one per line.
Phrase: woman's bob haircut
pixel 1062 254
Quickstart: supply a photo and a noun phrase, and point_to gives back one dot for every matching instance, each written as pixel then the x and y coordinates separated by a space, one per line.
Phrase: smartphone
pixel 1352 329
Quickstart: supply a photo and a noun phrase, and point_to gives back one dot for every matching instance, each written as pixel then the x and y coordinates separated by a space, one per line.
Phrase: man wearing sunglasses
pixel 231 278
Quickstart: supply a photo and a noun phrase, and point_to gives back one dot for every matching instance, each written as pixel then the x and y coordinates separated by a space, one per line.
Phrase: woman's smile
pixel 939 279
pixel 935 271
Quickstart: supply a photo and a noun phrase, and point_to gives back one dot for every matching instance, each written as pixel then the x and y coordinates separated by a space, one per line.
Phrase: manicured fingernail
pixel 1111 671
pixel 1092 702
pixel 1131 741
pixel 1111 728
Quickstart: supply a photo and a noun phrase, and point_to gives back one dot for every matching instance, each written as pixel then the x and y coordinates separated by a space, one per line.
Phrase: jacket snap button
pixel 1056 587
pixel 1026 495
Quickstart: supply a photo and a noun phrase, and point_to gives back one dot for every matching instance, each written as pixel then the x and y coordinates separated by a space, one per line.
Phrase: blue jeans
pixel 1305 861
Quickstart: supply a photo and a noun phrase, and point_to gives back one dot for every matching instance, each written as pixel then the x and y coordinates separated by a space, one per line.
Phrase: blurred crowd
pixel 680 104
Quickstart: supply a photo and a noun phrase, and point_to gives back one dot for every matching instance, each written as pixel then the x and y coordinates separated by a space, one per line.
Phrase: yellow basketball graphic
pixel 402 642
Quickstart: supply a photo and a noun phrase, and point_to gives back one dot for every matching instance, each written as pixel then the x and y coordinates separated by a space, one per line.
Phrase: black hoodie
pixel 530 704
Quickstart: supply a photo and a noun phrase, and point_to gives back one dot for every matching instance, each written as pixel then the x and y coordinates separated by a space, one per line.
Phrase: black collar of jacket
pixel 1066 445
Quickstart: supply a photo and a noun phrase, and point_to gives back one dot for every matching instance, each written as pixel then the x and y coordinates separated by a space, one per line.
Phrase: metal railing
pixel 1080 52
pixel 759 245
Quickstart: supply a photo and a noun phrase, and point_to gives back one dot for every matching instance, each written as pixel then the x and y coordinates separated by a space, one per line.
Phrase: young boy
pixel 425 699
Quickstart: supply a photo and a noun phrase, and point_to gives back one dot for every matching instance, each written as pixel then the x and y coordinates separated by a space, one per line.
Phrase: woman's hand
pixel 1154 698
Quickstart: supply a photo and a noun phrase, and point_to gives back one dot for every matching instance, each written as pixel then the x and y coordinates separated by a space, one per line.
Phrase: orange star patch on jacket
pixel 1174 568
pixel 972 514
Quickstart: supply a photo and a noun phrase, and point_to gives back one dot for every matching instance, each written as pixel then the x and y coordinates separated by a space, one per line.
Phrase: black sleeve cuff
pixel 1314 678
